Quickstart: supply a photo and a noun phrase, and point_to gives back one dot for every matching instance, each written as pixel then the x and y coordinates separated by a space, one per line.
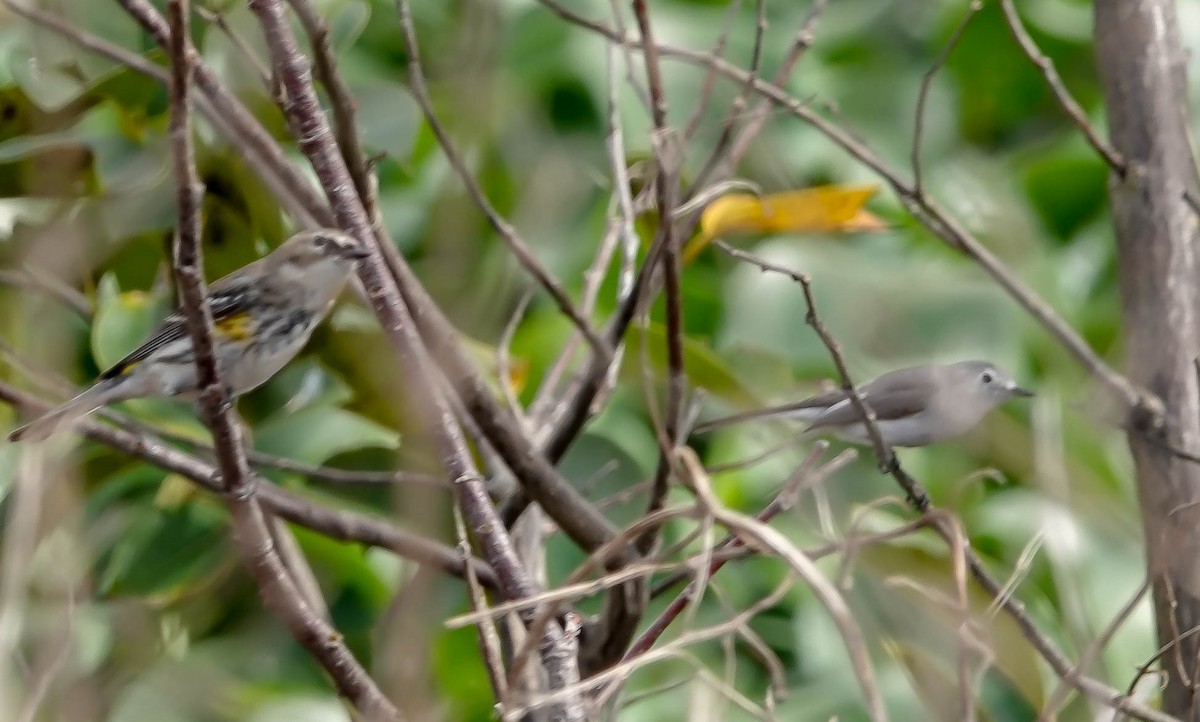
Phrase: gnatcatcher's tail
pixel 796 411
pixel 46 425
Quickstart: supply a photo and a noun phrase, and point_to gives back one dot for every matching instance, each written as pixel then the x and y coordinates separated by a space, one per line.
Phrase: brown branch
pixel 668 162
pixel 805 476
pixel 251 533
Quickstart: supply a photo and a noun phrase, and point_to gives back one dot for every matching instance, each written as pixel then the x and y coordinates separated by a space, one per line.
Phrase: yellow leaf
pixel 820 209
pixel 864 221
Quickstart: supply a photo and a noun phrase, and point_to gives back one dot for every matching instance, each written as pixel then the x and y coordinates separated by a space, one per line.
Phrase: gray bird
pixel 914 406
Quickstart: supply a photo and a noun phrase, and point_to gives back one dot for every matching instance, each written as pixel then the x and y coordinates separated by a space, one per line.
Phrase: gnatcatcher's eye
pixel 987 377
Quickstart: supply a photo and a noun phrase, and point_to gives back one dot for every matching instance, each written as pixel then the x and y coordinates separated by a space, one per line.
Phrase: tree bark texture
pixel 1142 69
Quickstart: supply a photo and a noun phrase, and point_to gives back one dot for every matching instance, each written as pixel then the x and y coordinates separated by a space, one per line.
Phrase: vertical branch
pixel 668 156
pixel 251 532
pixel 215 401
pixel 1142 70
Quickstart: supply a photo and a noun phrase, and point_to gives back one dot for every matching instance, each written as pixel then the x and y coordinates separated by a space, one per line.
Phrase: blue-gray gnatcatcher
pixel 913 407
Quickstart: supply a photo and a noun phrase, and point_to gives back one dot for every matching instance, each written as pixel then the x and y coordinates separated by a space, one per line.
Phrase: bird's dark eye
pixel 987 377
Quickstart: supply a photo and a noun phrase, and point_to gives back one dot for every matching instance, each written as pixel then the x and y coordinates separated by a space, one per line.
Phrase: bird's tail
pixel 795 411
pixel 49 423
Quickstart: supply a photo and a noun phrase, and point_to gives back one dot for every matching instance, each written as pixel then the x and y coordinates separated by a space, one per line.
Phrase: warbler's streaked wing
pixel 229 310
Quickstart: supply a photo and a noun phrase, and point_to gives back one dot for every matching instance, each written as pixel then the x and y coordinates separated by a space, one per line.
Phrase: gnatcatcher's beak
pixel 1024 393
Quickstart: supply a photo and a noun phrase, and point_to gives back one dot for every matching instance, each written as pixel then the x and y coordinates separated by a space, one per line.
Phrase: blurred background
pixel 118 584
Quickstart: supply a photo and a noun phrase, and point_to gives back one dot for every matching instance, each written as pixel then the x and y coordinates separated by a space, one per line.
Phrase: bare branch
pixel 251 532
pixel 763 535
pixel 416 79
pixel 927 80
pixel 1069 105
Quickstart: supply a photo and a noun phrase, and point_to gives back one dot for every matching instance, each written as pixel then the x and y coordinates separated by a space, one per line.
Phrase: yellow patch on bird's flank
pixel 235 327
pixel 128 368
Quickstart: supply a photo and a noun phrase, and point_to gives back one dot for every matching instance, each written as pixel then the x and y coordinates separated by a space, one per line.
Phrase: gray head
pixel 981 380
pixel 323 245
pixel 320 261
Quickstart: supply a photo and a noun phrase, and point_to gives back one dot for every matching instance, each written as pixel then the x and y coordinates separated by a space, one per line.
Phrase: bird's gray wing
pixel 229 304
pixel 894 395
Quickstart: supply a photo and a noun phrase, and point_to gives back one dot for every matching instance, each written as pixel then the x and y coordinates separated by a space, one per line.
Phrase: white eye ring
pixel 987 377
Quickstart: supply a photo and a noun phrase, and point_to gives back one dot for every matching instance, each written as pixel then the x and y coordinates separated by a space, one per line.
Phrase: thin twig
pixel 805 476
pixel 489 638
pixel 218 19
pixel 528 261
pixel 710 77
pixel 736 108
pixel 30 281
pixel 927 80
pixel 757 118
pixel 1069 105
pixel 765 536
pixel 1062 691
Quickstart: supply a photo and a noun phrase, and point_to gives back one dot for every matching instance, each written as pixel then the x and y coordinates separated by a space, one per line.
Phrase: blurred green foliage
pixel 170 627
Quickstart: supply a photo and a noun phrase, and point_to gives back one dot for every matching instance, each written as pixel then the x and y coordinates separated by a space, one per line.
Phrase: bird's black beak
pixel 1023 393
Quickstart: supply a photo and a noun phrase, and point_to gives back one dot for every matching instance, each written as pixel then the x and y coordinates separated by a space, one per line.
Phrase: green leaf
pixel 316 434
pixel 389 118
pixel 123 321
pixel 163 553
pixel 705 369
pixel 346 23
pixel 305 383
pixel 49 86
